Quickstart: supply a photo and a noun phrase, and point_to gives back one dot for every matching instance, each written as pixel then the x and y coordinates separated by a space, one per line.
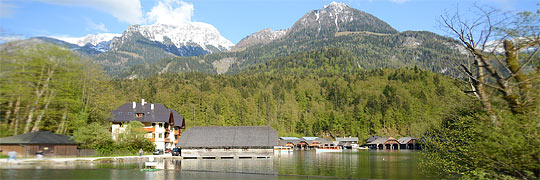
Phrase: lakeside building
pixel 304 143
pixel 347 142
pixel 228 142
pixel 27 145
pixel 408 143
pixel 163 126
pixel 384 143
pixel 376 142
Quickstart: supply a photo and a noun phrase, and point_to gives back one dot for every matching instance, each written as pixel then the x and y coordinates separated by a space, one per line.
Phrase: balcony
pixel 168 140
pixel 150 129
pixel 152 139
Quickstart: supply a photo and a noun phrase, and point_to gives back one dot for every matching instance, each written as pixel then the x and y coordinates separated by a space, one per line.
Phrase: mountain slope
pixel 264 36
pixel 333 18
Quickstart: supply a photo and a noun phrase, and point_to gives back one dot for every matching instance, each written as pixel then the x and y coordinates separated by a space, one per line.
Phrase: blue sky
pixel 235 19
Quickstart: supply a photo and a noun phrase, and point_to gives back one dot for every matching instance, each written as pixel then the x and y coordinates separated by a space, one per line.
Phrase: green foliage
pixel 468 145
pixel 46 87
pixel 134 139
pixel 95 136
pixel 385 102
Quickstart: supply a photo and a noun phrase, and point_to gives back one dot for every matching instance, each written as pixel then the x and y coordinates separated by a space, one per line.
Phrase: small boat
pixel 329 148
pixel 282 149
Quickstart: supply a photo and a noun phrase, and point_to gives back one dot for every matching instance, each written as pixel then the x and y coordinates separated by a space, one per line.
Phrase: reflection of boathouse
pixel 228 142
pixel 376 142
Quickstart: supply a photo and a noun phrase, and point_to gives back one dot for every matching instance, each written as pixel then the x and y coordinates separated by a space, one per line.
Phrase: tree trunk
pixel 40 116
pixel 8 112
pixel 39 93
pixel 61 127
pixel 484 98
pixel 15 112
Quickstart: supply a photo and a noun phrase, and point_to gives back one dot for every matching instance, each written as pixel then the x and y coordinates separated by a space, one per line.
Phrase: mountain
pixel 264 36
pixel 194 34
pixel 334 18
pixel 372 42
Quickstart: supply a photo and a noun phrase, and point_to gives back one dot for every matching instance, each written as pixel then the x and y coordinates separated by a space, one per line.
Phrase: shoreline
pixel 105 159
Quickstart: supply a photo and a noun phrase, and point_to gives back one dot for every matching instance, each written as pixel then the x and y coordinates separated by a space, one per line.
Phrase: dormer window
pixel 139 114
pixel 129 113
pixel 119 113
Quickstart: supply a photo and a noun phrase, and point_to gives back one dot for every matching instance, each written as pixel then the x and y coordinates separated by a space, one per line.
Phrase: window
pixel 119 113
pixel 148 113
pixel 175 136
pixel 160 135
pixel 129 113
pixel 139 114
pixel 153 135
pixel 160 125
pixel 153 124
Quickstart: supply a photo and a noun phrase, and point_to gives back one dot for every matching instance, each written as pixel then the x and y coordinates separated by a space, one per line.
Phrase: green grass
pixel 3 156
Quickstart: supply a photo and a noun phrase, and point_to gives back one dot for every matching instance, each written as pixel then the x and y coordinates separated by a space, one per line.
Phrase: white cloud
pixel 124 10
pixel 171 12
pixel 93 26
pixel 10 38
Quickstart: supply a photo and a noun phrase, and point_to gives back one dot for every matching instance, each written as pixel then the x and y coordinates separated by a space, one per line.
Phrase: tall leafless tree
pixel 505 56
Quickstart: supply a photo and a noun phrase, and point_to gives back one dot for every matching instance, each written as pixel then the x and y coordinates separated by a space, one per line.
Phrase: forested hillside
pixel 319 93
pixel 46 87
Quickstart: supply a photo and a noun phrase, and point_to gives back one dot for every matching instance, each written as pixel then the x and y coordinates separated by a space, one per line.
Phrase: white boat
pixel 330 148
pixel 282 149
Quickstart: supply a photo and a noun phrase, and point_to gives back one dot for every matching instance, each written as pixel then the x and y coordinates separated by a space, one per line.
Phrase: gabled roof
pixel 372 138
pixel 160 113
pixel 382 140
pixel 405 140
pixel 289 138
pixel 38 137
pixel 229 137
pixel 347 139
pixel 309 138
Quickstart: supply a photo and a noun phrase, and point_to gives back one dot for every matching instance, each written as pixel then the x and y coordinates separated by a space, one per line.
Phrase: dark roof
pixel 405 140
pixel 372 138
pixel 160 113
pixel 38 137
pixel 228 137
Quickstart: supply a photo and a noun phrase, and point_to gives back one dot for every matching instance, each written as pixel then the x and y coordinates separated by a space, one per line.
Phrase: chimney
pixel 134 105
pixel 142 102
pixel 152 106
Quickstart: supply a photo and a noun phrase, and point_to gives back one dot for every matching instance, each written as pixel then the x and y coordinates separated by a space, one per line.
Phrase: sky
pixel 235 19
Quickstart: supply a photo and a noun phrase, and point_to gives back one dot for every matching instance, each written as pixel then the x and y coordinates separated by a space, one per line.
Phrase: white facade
pixel 156 133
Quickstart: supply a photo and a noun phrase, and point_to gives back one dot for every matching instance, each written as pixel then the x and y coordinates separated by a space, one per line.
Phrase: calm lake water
pixel 298 165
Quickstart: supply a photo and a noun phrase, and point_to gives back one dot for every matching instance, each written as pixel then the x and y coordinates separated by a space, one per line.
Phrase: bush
pixel 96 136
pixel 466 145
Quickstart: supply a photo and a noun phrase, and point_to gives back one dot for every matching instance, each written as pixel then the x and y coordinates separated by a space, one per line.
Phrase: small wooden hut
pixel 29 144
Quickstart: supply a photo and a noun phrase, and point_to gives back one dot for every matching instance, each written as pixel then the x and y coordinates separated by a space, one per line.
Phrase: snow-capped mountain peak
pixel 89 39
pixel 188 34
pixel 336 5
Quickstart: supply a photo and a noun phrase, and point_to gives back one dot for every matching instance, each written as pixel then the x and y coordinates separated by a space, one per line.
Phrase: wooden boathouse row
pixel 376 142
pixel 304 143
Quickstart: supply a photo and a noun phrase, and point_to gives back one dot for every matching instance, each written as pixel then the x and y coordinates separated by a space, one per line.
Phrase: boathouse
pixel 384 143
pixel 228 142
pixel 347 142
pixel 27 145
pixel 408 143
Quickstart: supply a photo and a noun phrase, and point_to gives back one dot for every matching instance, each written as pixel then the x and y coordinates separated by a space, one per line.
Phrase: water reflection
pixel 297 165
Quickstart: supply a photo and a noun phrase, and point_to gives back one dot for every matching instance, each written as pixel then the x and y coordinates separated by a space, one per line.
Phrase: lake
pixel 372 164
